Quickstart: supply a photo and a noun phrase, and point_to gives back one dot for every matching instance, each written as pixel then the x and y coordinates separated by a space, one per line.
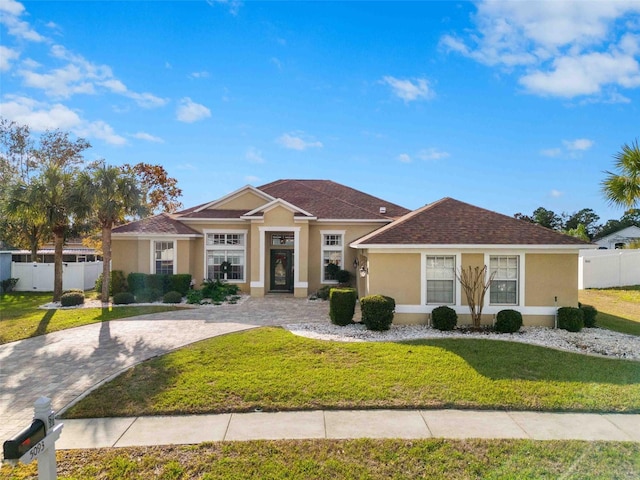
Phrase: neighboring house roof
pixel 330 200
pixel 452 222
pixel 158 224
pixel 623 235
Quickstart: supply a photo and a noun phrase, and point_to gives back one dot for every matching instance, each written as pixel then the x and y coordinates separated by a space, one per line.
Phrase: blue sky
pixel 505 105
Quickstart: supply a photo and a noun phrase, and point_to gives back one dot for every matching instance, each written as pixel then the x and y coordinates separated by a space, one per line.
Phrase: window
pixel 163 257
pixel 504 286
pixel 226 247
pixel 282 239
pixel 441 275
pixel 332 254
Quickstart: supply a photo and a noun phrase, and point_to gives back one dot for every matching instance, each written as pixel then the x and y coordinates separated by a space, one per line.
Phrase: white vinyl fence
pixel 608 268
pixel 38 277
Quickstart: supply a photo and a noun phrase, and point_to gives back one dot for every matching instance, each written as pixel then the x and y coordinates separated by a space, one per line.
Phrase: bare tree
pixel 475 284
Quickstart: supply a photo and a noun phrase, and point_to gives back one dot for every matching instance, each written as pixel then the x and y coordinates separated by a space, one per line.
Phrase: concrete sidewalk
pixel 342 424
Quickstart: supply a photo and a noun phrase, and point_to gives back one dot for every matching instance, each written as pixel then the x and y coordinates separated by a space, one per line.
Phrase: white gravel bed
pixel 93 303
pixel 593 341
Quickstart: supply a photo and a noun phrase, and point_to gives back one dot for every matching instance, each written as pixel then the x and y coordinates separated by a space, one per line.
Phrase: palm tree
pixel 108 195
pixel 623 189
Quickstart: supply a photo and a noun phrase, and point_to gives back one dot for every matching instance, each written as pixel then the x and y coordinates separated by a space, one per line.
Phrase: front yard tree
pixel 110 194
pixel 622 188
pixel 475 284
pixel 160 191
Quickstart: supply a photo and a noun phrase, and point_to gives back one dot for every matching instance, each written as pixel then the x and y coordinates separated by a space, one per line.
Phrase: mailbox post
pixel 37 441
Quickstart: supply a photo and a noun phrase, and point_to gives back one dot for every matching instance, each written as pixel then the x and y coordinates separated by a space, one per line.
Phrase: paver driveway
pixel 64 365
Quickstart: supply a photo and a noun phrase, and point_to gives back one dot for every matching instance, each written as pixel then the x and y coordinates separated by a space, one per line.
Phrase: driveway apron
pixel 66 364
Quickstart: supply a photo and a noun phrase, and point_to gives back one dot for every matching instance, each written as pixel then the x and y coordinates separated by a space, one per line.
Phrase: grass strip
pixel 21 318
pixel 618 308
pixel 352 459
pixel 272 369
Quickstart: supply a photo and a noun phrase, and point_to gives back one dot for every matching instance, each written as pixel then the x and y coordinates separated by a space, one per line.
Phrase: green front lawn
pixel 273 369
pixel 352 459
pixel 21 318
pixel 618 308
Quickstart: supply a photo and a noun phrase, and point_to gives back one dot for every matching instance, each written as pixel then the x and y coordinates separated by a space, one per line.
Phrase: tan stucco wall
pixel 245 201
pixel 352 233
pixel 551 275
pixel 472 260
pixel 183 256
pixel 125 256
pixel 395 275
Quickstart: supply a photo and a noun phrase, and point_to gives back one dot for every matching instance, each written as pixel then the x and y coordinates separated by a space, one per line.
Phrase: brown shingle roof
pixel 329 200
pixel 158 224
pixel 209 213
pixel 452 222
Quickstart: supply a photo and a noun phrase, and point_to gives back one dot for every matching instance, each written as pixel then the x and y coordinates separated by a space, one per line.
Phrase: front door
pixel 282 270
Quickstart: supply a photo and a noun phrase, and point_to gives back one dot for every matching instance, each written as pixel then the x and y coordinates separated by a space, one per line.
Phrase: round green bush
pixel 123 298
pixel 377 312
pixel 148 295
pixel 342 305
pixel 71 299
pixel 589 314
pixel 508 321
pixel 570 319
pixel 444 318
pixel 172 297
pixel 343 276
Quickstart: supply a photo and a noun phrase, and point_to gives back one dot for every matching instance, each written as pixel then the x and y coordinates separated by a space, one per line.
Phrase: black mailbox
pixel 17 446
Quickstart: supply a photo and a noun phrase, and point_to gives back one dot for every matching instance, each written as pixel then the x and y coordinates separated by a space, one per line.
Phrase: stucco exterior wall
pixel 551 275
pixel 395 275
pixel 246 201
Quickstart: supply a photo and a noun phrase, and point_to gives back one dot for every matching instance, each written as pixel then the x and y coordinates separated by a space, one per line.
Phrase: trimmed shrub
pixel 570 318
pixel 180 282
pixel 194 297
pixel 343 276
pixel 342 305
pixel 331 271
pixel 71 299
pixel 323 292
pixel 136 282
pixel 117 282
pixel 158 282
pixel 172 297
pixel 8 284
pixel 73 290
pixel 589 314
pixel 508 321
pixel 377 312
pixel 123 298
pixel 148 295
pixel 444 318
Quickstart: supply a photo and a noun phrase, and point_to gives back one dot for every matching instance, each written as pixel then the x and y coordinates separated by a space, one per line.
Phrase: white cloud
pixel 409 90
pixel 188 111
pixel 254 155
pixel 556 48
pixel 551 152
pixel 11 11
pixel 196 75
pixel 404 158
pixel 295 141
pixel 579 144
pixel 432 154
pixel 251 179
pixel 37 115
pixel 147 137
pixel 41 116
pixel 6 56
pixel 556 193
pixel 101 130
pixel 233 5
pixel 276 62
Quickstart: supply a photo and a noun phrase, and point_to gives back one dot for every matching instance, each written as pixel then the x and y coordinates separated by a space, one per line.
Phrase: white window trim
pixel 152 248
pixel 521 277
pixel 322 250
pixel 207 232
pixel 454 280
pixel 423 277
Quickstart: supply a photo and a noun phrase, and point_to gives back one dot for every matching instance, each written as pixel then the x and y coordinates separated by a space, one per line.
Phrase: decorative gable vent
pixel 383 209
